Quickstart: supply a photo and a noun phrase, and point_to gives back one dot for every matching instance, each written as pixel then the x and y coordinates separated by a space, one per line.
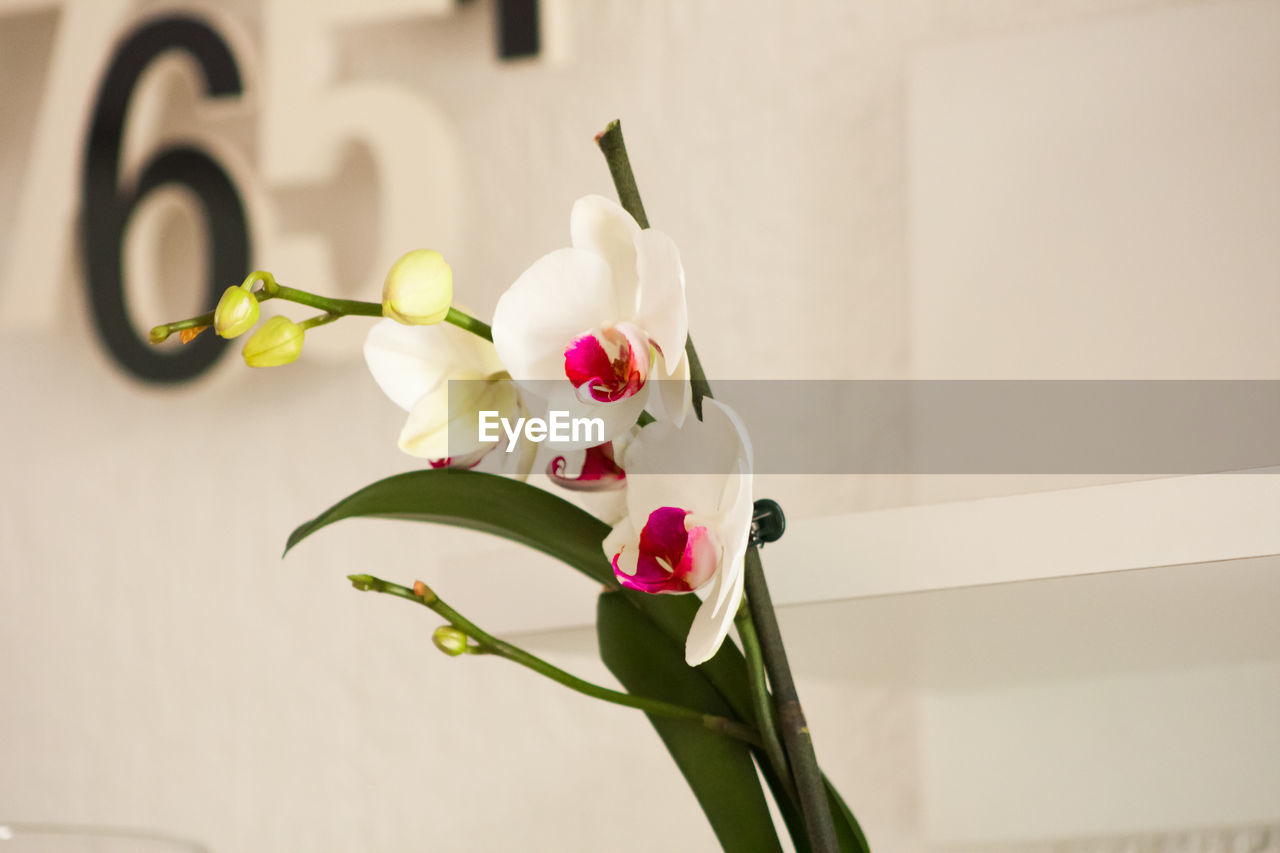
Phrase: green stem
pixel 624 180
pixel 698 384
pixel 471 324
pixel 423 595
pixel 337 307
pixel 795 734
pixel 333 308
pixel 320 320
pixel 795 731
pixel 762 701
pixel 161 333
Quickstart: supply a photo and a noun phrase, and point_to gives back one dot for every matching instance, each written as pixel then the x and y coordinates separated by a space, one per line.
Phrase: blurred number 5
pixel 306 120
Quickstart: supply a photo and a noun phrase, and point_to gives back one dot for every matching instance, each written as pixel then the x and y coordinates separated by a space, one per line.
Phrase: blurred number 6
pixel 107 206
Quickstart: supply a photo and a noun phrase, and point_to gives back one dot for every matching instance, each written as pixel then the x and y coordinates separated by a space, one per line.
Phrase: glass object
pixel 18 837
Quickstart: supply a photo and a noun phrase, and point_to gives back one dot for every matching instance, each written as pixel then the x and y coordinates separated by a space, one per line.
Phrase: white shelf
pixel 1111 528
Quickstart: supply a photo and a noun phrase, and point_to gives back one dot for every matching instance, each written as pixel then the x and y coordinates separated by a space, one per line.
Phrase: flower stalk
pixel 333 309
pixel 466 322
pixel 160 334
pixel 486 643
pixel 798 742
pixel 810 788
pixel 624 180
pixel 766 714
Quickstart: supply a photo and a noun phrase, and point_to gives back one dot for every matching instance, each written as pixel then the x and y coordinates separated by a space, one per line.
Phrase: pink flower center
pixel 608 365
pixel 599 471
pixel 674 555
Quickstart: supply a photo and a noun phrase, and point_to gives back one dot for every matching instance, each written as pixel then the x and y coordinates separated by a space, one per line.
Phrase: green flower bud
pixel 279 341
pixel 418 289
pixel 236 313
pixel 450 640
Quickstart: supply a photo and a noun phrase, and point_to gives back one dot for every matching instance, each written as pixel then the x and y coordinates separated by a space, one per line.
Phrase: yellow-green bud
pixel 279 341
pixel 236 313
pixel 418 289
pixel 450 640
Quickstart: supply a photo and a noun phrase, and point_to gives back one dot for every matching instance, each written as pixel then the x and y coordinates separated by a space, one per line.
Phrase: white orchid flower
pixel 597 321
pixel 688 531
pixel 413 366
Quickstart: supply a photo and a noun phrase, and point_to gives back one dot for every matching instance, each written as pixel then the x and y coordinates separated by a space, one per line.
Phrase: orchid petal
pixel 409 361
pixel 623 443
pixel 471 460
pixel 622 547
pixel 674 398
pixel 525 453
pixel 561 296
pixel 699 493
pixel 602 226
pixel 654 462
pixel 735 522
pixel 597 471
pixel 661 309
pixel 736 504
pixel 730 430
pixel 702 556
pixel 711 623
pixel 443 424
pixel 715 615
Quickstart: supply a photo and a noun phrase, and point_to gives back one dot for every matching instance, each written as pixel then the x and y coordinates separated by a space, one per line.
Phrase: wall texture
pixel 161 666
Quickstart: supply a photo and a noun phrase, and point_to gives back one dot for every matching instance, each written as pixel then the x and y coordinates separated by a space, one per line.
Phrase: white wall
pixel 161 666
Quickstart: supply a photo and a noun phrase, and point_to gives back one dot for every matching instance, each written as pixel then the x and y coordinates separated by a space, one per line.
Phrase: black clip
pixel 767 522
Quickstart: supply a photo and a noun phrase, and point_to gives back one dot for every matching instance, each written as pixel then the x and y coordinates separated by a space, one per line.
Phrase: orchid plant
pixel 598 329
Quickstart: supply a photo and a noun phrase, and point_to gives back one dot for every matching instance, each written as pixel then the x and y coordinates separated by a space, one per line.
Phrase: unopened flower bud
pixel 418 289
pixel 450 640
pixel 279 341
pixel 236 313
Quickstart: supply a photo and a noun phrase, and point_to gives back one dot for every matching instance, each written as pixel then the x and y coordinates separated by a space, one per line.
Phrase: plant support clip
pixel 767 522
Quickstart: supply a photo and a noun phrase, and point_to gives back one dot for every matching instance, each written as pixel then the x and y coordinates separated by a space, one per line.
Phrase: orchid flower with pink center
pixel 413 366
pixel 599 320
pixel 686 532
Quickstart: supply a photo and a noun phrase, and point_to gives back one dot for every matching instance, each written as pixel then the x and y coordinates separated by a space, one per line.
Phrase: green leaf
pixel 848 830
pixel 727 670
pixel 718 768
pixel 485 502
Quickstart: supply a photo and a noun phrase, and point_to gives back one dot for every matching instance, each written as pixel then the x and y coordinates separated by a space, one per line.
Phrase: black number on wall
pixel 107 205
pixel 518 32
